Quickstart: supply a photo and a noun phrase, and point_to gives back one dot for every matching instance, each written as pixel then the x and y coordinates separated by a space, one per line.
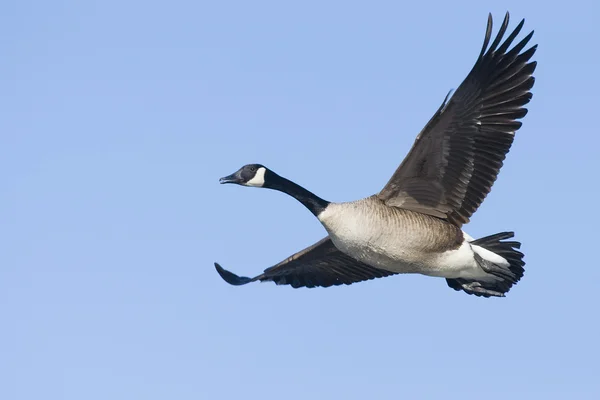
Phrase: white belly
pixel 459 263
pixel 396 248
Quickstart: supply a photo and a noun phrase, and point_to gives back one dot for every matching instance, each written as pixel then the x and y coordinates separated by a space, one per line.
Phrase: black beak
pixel 233 178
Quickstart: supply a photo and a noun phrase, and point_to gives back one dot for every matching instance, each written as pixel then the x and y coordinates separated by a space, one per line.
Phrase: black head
pixel 260 176
pixel 249 175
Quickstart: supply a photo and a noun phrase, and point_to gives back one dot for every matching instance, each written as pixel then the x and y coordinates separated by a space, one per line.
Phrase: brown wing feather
pixel 457 156
pixel 321 264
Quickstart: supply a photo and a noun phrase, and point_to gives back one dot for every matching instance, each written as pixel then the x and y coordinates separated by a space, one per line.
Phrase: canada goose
pixel 414 224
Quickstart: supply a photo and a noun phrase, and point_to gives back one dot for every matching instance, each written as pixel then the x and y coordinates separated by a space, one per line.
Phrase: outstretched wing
pixel 321 264
pixel 457 156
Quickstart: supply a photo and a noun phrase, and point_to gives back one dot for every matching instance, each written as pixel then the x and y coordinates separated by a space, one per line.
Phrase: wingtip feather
pixel 488 35
pixel 230 277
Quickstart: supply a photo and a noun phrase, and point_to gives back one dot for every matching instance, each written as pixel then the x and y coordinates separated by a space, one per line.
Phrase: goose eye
pixel 253 169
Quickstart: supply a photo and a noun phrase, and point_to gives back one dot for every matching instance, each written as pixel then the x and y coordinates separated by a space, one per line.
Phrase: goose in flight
pixel 414 224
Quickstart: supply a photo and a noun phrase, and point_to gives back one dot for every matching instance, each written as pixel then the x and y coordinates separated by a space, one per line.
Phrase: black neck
pixel 311 201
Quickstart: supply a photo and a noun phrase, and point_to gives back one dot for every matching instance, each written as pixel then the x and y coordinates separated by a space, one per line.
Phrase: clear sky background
pixel 118 118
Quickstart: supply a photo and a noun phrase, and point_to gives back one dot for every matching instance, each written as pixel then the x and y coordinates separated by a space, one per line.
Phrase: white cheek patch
pixel 259 178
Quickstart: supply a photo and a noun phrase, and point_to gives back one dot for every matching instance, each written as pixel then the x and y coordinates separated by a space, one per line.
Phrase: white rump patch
pixel 259 178
pixel 490 256
pixel 459 263
pixel 486 254
pixel 467 237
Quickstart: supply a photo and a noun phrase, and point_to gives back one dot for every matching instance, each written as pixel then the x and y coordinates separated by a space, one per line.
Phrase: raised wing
pixel 321 264
pixel 457 156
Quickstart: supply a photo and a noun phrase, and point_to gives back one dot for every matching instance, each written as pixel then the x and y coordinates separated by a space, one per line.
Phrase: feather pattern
pixel 321 264
pixel 457 156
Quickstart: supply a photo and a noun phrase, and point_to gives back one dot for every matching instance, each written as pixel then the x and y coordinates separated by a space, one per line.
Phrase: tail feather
pixel 504 273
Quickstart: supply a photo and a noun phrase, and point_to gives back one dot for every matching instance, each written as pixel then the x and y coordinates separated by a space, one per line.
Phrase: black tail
pixel 503 277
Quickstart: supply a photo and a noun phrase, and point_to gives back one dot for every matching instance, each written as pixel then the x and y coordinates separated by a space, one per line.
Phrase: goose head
pixel 255 175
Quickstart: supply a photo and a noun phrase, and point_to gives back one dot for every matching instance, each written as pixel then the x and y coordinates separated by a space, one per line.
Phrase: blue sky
pixel 118 118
